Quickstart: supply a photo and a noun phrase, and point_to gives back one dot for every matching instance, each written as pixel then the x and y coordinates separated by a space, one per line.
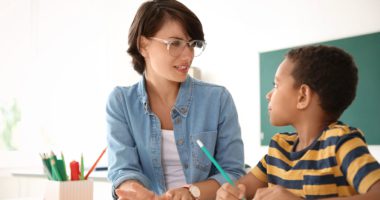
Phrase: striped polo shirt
pixel 337 163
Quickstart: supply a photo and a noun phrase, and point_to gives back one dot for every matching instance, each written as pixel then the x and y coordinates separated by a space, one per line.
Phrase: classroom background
pixel 59 60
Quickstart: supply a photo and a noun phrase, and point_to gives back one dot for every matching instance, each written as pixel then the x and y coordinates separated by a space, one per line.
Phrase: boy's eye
pixel 275 85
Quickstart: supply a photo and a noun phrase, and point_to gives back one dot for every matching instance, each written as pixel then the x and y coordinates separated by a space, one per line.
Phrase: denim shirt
pixel 202 111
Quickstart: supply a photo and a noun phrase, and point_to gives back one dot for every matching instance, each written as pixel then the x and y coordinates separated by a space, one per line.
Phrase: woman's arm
pixel 207 189
pixel 229 148
pixel 133 190
pixel 123 159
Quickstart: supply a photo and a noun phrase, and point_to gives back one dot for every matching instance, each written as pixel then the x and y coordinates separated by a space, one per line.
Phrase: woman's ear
pixel 304 97
pixel 143 43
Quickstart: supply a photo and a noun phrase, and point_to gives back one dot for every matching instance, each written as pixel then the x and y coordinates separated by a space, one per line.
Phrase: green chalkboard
pixel 364 112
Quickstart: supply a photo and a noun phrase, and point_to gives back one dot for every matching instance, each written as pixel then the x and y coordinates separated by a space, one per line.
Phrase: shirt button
pixel 183 110
pixel 186 166
pixel 180 142
pixel 178 120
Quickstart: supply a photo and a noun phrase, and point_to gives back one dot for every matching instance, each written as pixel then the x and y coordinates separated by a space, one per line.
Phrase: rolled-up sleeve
pixel 123 158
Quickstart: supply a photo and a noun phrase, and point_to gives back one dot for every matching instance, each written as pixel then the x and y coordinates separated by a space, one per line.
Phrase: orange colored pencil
pixel 94 165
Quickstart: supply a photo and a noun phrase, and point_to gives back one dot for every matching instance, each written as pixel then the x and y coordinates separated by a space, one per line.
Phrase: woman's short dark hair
pixel 330 72
pixel 151 16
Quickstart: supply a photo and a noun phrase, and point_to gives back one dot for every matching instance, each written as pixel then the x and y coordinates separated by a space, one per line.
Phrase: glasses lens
pixel 176 47
pixel 199 47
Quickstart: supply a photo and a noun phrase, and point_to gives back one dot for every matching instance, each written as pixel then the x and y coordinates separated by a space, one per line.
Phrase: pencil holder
pixel 69 190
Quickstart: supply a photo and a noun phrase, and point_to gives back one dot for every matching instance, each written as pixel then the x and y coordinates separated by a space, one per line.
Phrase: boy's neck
pixel 310 123
pixel 307 132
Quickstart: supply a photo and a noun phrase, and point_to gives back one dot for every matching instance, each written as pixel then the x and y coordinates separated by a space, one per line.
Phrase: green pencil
pixel 212 159
pixel 54 170
pixel 81 168
pixel 47 167
pixel 64 174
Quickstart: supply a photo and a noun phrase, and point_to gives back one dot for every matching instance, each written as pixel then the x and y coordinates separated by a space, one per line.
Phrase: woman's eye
pixel 176 43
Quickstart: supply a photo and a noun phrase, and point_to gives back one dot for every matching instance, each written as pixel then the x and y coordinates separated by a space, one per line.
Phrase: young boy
pixel 324 158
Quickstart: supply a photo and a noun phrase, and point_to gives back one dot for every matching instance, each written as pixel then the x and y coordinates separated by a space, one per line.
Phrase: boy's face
pixel 282 99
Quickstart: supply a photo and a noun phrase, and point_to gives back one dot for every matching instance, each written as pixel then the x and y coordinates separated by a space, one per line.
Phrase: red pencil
pixel 94 165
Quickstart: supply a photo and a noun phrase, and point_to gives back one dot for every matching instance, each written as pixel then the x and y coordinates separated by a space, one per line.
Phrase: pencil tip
pixel 200 143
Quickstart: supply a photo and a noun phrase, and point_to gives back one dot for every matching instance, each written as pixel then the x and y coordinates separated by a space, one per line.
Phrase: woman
pixel 154 124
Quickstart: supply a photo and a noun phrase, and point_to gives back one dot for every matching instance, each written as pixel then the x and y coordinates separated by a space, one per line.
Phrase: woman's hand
pixel 179 194
pixel 275 192
pixel 132 190
pixel 227 191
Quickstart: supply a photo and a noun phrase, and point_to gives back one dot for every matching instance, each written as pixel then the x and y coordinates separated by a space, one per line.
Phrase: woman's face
pixel 162 65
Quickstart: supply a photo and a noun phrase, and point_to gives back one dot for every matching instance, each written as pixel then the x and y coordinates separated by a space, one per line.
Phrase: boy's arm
pixel 250 185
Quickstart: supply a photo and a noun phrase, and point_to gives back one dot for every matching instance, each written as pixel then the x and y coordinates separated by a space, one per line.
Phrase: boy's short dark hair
pixel 330 72
pixel 151 16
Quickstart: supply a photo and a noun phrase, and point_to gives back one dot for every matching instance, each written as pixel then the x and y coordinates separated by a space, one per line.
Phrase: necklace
pixel 158 100
pixel 166 104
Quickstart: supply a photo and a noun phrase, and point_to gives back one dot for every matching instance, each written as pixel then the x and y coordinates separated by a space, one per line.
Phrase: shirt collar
pixel 183 100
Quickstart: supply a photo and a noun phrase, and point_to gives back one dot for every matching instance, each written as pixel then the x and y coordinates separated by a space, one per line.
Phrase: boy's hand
pixel 135 191
pixel 274 193
pixel 229 192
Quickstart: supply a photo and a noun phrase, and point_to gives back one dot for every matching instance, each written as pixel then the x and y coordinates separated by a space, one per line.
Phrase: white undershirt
pixel 173 170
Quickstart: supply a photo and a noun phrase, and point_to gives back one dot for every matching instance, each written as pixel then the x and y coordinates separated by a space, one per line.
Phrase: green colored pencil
pixel 81 168
pixel 212 159
pixel 64 174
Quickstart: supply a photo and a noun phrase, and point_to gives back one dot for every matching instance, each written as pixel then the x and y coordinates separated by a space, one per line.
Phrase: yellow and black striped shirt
pixel 338 163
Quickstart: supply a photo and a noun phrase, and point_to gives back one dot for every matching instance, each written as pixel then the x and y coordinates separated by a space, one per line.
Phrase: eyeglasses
pixel 177 46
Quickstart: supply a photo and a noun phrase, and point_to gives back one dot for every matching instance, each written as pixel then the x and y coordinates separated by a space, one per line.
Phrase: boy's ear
pixel 143 43
pixel 304 97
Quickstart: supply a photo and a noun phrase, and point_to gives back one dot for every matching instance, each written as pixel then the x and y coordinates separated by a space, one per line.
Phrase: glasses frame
pixel 169 42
